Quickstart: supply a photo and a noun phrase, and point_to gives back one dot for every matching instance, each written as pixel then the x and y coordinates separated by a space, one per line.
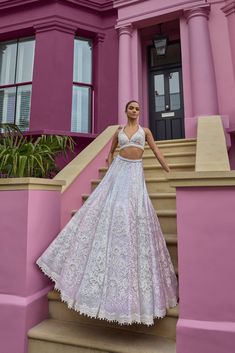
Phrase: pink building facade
pixel 69 67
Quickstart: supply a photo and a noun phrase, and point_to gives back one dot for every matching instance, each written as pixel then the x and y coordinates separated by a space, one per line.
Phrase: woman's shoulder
pixel 119 128
pixel 146 129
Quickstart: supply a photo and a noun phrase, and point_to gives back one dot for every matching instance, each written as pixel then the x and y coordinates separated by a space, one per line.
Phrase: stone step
pixel 57 336
pixel 155 170
pixel 171 242
pixel 154 185
pixel 183 145
pixel 167 219
pixel 171 158
pixel 162 327
pixel 187 145
pixel 160 201
pixel 177 141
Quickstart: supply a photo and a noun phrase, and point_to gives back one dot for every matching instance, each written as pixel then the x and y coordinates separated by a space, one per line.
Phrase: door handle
pixel 167 107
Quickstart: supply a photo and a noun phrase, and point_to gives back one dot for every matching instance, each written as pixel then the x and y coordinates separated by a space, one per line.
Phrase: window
pixel 82 86
pixel 16 68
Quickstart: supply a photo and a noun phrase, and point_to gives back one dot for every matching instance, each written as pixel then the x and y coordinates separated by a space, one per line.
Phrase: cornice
pixel 7 4
pixel 123 3
pixel 229 8
pixel 47 23
pixel 149 13
pixel 107 5
pixel 55 24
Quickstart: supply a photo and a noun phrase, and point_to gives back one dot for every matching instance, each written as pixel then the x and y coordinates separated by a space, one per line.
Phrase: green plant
pixel 22 156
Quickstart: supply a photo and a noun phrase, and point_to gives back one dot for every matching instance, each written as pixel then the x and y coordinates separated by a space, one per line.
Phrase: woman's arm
pixel 113 147
pixel 156 150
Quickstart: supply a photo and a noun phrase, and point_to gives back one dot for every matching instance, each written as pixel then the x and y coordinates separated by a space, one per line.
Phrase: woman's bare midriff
pixel 131 152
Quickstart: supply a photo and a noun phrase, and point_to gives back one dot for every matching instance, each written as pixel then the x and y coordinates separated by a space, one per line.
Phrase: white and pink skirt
pixel 111 261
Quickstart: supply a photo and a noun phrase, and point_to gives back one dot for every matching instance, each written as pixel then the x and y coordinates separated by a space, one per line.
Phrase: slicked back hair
pixel 128 103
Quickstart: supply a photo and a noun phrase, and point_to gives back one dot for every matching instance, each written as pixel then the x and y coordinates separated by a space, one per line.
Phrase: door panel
pixel 166 104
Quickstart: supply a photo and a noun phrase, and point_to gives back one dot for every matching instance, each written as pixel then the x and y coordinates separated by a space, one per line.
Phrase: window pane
pixel 23 107
pixel 7 62
pixel 82 68
pixel 25 59
pixel 159 91
pixel 81 109
pixel 7 105
pixel 174 90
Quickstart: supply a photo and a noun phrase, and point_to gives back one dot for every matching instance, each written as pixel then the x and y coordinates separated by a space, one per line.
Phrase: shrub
pixel 23 156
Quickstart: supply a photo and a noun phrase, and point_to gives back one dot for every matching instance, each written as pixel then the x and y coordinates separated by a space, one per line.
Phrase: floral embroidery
pixel 111 261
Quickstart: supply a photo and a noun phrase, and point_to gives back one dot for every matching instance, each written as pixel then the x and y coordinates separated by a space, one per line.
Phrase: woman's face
pixel 133 110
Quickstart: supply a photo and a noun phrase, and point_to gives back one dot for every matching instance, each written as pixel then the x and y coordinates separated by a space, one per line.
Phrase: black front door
pixel 166 104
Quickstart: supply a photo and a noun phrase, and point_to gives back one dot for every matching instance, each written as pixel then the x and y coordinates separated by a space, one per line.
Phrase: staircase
pixel 68 332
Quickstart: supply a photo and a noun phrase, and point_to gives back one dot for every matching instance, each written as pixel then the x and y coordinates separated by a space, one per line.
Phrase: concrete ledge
pixel 211 153
pixel 187 179
pixel 79 163
pixel 30 184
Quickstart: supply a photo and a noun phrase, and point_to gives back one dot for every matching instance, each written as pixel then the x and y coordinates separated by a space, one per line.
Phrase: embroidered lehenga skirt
pixel 111 261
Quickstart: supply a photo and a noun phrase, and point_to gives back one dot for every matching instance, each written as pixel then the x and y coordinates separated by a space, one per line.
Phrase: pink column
pixel 229 10
pixel 203 83
pixel 52 76
pixel 124 71
pixel 137 76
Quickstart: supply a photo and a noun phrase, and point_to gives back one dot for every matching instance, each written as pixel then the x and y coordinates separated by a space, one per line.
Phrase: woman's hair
pixel 127 104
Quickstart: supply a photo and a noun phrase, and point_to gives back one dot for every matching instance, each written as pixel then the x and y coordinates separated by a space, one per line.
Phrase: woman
pixel 111 261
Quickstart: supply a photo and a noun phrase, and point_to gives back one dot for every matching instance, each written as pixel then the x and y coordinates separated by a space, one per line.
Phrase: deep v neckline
pixel 129 139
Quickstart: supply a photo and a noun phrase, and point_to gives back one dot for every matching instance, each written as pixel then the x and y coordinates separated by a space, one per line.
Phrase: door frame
pixel 160 69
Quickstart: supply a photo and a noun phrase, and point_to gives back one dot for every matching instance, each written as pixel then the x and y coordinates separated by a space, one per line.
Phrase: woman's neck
pixel 132 124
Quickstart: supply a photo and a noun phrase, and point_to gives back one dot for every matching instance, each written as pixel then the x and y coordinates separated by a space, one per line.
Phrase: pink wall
pixel 29 220
pixel 51 108
pixel 214 92
pixel 206 246
pixel 55 25
pixel 107 81
pixel 52 80
pixel 220 46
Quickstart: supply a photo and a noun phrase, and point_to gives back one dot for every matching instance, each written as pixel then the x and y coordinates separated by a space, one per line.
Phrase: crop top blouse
pixel 136 140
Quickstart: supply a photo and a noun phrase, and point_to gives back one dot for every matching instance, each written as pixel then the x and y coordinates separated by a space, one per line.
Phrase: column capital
pixel 202 11
pixel 99 38
pixel 127 29
pixel 54 24
pixel 229 8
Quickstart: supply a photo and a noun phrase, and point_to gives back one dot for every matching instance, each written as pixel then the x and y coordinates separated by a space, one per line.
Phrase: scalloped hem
pixel 102 314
